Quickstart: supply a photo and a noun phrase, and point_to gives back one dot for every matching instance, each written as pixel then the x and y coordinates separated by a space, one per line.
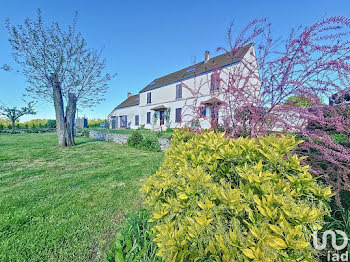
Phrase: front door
pixel 161 117
pixel 214 111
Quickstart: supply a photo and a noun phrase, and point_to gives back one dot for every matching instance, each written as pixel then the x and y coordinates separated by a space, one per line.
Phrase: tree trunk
pixel 70 119
pixel 58 102
pixel 13 125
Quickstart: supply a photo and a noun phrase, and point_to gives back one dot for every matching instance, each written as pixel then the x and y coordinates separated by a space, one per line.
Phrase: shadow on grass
pixel 86 141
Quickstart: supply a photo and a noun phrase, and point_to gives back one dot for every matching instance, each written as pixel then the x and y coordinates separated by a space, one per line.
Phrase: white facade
pixel 195 90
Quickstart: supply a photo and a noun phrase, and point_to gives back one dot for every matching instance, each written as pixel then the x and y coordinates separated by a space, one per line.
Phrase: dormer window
pixel 149 98
pixel 178 91
pixel 191 69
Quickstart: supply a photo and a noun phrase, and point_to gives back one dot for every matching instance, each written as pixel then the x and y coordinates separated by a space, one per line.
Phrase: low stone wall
pixel 110 137
pixel 122 138
pixel 164 143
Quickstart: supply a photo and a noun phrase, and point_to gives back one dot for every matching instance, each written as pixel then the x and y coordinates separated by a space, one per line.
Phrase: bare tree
pixel 60 68
pixel 14 113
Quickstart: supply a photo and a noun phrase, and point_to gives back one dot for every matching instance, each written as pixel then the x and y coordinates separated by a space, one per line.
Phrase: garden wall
pixel 122 138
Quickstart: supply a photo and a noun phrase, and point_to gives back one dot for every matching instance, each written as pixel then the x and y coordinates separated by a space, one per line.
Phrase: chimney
pixel 129 94
pixel 206 56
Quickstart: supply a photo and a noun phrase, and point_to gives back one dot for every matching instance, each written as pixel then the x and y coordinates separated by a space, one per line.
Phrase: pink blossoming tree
pixel 311 63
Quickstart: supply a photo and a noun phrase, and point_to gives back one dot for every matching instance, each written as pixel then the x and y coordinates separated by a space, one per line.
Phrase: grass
pixel 66 204
pixel 144 132
pixel 134 243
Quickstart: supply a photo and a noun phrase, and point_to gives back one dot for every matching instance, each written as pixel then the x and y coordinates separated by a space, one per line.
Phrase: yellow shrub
pixel 219 199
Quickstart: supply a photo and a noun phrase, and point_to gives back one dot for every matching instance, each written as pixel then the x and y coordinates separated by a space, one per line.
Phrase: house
pixel 340 98
pixel 174 99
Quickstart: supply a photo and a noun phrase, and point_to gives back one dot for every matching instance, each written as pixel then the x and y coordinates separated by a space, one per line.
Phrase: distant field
pixel 144 132
pixel 66 204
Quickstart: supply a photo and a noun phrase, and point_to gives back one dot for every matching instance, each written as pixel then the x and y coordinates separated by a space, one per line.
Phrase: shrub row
pixel 37 123
pixel 95 122
pixel 219 199
pixel 30 130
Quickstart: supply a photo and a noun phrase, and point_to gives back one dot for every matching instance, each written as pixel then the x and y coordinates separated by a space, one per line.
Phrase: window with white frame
pixel 178 115
pixel 137 120
pixel 149 98
pixel 148 117
pixel 178 91
pixel 214 82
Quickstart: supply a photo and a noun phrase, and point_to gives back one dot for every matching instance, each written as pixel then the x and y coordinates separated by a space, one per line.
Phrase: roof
pixel 161 107
pixel 130 101
pixel 213 101
pixel 340 98
pixel 199 68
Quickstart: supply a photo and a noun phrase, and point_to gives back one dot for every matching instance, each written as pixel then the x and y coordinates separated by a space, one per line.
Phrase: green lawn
pixel 66 204
pixel 144 132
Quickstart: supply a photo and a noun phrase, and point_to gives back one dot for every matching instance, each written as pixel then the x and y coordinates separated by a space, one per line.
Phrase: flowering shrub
pixel 282 92
pixel 220 199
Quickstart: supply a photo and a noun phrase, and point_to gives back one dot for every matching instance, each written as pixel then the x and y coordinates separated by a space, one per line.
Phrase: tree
pixel 302 101
pixel 313 62
pixel 13 114
pixel 60 68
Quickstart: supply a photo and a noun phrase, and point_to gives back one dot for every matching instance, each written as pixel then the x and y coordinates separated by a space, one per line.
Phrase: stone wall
pixel 122 138
pixel 164 143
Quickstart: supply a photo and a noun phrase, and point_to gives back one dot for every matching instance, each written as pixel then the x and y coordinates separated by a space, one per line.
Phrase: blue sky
pixel 143 40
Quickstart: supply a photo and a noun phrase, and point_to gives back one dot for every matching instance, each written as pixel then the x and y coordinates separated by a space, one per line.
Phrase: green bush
pixel 158 133
pixel 339 219
pixel 141 128
pixel 150 143
pixel 341 139
pixel 85 132
pixel 135 139
pixel 1 126
pixel 51 123
pixel 219 199
pixel 134 242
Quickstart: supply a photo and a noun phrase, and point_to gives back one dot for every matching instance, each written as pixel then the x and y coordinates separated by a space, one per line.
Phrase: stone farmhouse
pixel 172 100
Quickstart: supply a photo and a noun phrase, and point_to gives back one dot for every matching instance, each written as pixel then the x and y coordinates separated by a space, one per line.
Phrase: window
pixel 136 120
pixel 178 91
pixel 149 98
pixel 123 121
pixel 204 112
pixel 214 82
pixel 148 117
pixel 178 115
